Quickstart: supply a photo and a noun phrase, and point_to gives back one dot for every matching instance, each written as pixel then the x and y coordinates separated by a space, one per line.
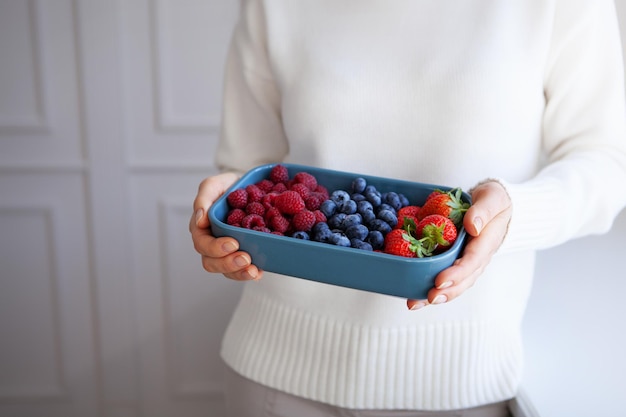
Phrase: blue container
pixel 347 267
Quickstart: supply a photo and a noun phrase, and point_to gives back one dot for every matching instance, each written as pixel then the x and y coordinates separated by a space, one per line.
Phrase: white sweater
pixel 438 91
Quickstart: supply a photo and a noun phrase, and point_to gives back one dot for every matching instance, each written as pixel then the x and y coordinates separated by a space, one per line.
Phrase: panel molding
pixel 37 122
pixel 166 120
pixel 42 393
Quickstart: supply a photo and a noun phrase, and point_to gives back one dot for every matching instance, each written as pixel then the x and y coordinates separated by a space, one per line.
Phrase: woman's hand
pixel 486 221
pixel 219 255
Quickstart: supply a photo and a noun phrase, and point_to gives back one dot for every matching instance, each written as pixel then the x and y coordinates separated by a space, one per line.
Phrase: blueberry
pixel 404 200
pixel 301 235
pixel 322 234
pixel 359 244
pixel 368 216
pixel 393 199
pixel 358 185
pixel 380 225
pixel 340 239
pixel 352 220
pixel 357 197
pixel 348 206
pixel 336 220
pixel 374 197
pixel 358 231
pixel 384 206
pixel 389 217
pixel 328 207
pixel 363 206
pixel 340 196
pixel 376 239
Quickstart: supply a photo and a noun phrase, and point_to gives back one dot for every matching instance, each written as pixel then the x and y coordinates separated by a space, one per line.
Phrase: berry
pixel 399 242
pixel 348 207
pixel 301 189
pixel 278 223
pixel 393 199
pixel 254 193
pixel 407 212
pixel 252 220
pixel 336 220
pixel 279 174
pixel 319 217
pixel 289 202
pixel 380 225
pixel 351 220
pixel 439 231
pixel 307 179
pixel 448 204
pixel 357 231
pixel 238 199
pixel 314 200
pixel 376 239
pixel 255 208
pixel 279 188
pixel 328 207
pixel 303 220
pixel 389 217
pixel 301 235
pixel 339 238
pixel 359 244
pixel 358 185
pixel 265 185
pixel 235 216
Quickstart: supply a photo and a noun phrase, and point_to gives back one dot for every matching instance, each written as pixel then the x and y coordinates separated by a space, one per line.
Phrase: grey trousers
pixel 246 398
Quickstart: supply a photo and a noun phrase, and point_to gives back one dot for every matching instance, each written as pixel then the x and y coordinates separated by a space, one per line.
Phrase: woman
pixel 522 102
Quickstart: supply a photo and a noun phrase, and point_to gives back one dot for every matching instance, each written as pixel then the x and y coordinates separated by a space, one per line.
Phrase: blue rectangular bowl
pixel 347 267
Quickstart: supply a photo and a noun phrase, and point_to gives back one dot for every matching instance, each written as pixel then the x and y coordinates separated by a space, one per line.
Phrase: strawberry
pixel 400 242
pixel 407 212
pixel 437 232
pixel 446 203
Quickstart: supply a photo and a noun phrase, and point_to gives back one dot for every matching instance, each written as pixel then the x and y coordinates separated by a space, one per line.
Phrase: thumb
pixel 489 199
pixel 209 190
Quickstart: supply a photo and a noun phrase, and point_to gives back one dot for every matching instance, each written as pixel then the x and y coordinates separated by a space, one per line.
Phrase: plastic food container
pixel 347 267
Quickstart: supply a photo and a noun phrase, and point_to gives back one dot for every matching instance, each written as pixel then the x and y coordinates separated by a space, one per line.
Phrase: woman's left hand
pixel 486 222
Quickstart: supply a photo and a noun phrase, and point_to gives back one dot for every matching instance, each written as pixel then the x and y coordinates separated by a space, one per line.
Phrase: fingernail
pixel 241 261
pixel 440 299
pixel 251 275
pixel 418 305
pixel 229 247
pixel 199 214
pixel 478 224
pixel 445 285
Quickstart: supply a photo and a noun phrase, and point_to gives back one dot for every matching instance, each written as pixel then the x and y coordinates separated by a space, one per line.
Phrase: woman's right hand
pixel 219 254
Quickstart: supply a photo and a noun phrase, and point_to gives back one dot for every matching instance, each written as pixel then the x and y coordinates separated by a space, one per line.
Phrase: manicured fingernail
pixel 241 261
pixel 251 275
pixel 445 285
pixel 440 299
pixel 418 305
pixel 199 214
pixel 229 247
pixel 478 224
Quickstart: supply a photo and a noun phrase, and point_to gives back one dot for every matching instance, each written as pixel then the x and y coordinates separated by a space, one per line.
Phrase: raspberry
pixel 289 202
pixel 301 189
pixel 303 220
pixel 254 193
pixel 268 200
pixel 279 174
pixel 307 179
pixel 319 217
pixel 279 188
pixel 313 201
pixel 262 229
pixel 255 208
pixel 278 223
pixel 271 212
pixel 252 220
pixel 265 185
pixel 322 190
pixel 238 198
pixel 235 216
